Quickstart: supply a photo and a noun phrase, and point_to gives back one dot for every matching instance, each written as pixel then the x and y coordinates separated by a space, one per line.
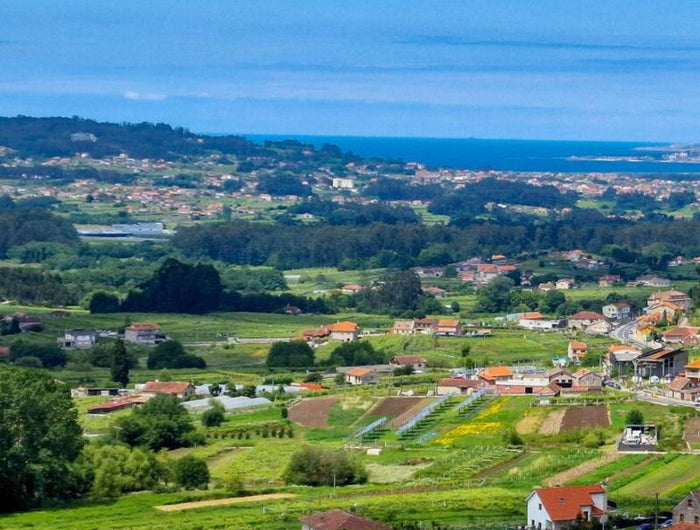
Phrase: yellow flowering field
pixel 469 429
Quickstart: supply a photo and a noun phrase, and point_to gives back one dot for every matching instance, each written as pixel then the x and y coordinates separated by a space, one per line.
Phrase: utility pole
pixel 656 512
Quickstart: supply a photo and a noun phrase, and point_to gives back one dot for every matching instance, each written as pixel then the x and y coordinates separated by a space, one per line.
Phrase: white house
pixel 618 311
pixel 557 508
pixel 82 339
pixel 344 331
pixel 144 333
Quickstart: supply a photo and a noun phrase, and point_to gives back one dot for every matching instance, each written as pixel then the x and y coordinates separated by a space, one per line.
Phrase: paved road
pixel 643 395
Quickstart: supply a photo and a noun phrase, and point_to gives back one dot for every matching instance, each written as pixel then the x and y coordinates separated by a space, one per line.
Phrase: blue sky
pixel 599 70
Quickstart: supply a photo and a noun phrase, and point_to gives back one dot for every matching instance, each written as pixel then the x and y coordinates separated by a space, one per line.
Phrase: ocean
pixel 506 155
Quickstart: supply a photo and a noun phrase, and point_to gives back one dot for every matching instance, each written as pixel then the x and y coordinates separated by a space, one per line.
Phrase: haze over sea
pixel 507 155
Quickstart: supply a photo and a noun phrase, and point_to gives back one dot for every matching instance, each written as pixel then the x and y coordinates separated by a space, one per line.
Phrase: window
pixel 690 503
pixel 697 519
pixel 681 518
pixel 540 507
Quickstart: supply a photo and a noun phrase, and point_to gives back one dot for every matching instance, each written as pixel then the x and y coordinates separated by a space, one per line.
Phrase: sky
pixel 532 69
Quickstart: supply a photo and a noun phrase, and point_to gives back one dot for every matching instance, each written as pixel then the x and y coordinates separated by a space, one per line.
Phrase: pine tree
pixel 120 364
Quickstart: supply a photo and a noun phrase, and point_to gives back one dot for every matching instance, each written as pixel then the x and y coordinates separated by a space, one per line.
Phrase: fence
pixel 370 427
pixel 423 414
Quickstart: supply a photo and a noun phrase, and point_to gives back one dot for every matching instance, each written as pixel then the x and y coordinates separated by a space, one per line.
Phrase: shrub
pixel 313 466
pixel 635 417
pixel 214 416
pixel 191 473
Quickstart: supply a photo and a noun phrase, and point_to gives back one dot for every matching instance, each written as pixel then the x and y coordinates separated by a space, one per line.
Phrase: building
pixel 692 371
pixel 425 326
pixel 344 331
pixel 342 183
pixel 561 376
pixel 683 389
pixel 558 508
pixel 621 358
pixel 492 374
pixel 564 284
pixel 403 327
pixel 448 328
pixel 316 336
pixel 683 336
pixel 457 385
pixel 618 311
pixel 437 292
pixel 576 351
pixel 662 363
pixel 339 520
pixel 588 379
pixel 585 319
pixel 609 280
pixel 81 339
pixel 362 375
pixel 144 333
pixel 688 510
pixel 429 272
pixel 416 361
pixel 115 405
pixel 352 288
pixel 675 297
pixel 179 389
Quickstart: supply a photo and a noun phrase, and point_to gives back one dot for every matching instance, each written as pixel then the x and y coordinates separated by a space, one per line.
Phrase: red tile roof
pixel 587 315
pixel 344 327
pixel 165 387
pixel 144 326
pixel 492 372
pixel 563 504
pixel 407 359
pixel 340 520
pixel 458 382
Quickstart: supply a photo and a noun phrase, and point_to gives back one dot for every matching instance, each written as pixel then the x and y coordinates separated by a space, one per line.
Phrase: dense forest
pixel 246 243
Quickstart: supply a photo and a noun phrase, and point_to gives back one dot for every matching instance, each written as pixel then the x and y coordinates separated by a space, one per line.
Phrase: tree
pixel 313 466
pixel 356 353
pixel 290 355
pixel 160 422
pixel 40 438
pixel 635 417
pixel 172 354
pixel 102 302
pixel 214 416
pixel 191 473
pixel 495 297
pixel 120 364
pixel 215 389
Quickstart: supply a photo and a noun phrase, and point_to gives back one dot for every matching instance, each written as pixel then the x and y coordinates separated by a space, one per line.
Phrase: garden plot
pixel 312 413
pixel 552 423
pixel 592 417
pixel 691 433
pixel 396 408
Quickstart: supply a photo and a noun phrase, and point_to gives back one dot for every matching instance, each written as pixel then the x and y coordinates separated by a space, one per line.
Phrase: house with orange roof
pixel 692 371
pixel 675 297
pixel 448 328
pixel 558 508
pixel 662 362
pixel 351 288
pixel 667 310
pixel 585 319
pixel 362 375
pixel 344 331
pixel 179 389
pixel 144 333
pixel 576 351
pixel 685 336
pixel 491 374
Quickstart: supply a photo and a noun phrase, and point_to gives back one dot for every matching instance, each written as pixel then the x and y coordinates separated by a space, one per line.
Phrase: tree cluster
pixel 314 466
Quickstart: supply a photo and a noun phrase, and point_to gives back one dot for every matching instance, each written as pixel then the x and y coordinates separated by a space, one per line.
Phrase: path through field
pixel 223 502
pixel 570 474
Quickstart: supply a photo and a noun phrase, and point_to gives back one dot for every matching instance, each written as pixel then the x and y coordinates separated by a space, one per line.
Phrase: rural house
pixel 425 326
pixel 457 385
pixel 662 362
pixel 416 361
pixel 448 328
pixel 588 379
pixel 403 327
pixel 339 520
pixel 621 357
pixel 81 339
pixel 179 389
pixel 585 319
pixel 576 351
pixel 492 374
pixel 362 375
pixel 144 333
pixel 609 280
pixel 684 336
pixel 561 376
pixel 558 508
pixel 675 297
pixel 617 311
pixel 344 331
pixel 688 510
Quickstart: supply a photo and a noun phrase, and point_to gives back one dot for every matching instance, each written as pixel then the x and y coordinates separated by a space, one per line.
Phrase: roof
pixel 408 359
pixel 563 504
pixel 340 520
pixel 458 382
pixel 496 371
pixel 448 323
pixel 679 383
pixel 680 332
pixel 143 326
pixel 667 295
pixel 584 372
pixel 403 324
pixel 534 315
pixel 344 327
pixel 622 347
pixel 684 526
pixel 660 354
pixel 358 371
pixel 578 345
pixel 694 365
pixel 587 315
pixel 166 387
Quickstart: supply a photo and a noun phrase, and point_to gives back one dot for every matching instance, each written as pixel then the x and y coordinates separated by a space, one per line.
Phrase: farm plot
pixel 552 423
pixel 576 418
pixel 397 408
pixel 677 475
pixel 691 433
pixel 312 413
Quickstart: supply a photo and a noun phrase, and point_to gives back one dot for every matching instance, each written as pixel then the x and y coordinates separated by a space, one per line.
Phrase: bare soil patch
pixel 409 412
pixel 394 406
pixel 312 413
pixel 552 423
pixel 223 502
pixel 591 417
pixel 691 433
